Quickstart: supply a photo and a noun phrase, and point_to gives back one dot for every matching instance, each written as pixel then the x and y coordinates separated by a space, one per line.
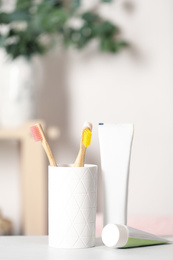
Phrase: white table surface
pixel 36 248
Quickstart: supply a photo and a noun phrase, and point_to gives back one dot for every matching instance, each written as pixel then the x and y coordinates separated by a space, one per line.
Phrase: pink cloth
pixel 99 224
pixel 154 225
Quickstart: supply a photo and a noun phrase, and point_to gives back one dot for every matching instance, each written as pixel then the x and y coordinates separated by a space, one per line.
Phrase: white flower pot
pixel 19 97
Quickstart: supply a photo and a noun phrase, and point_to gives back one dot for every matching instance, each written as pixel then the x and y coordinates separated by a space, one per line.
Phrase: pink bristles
pixel 36 133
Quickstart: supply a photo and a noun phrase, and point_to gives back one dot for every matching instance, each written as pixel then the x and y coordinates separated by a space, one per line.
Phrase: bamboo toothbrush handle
pixel 47 147
pixel 49 153
pixel 80 157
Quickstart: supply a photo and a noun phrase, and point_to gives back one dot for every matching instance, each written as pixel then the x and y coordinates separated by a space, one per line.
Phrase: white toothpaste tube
pixel 122 236
pixel 115 149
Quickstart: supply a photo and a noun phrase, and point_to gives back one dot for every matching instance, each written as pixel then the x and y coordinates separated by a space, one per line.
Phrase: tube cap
pixel 115 235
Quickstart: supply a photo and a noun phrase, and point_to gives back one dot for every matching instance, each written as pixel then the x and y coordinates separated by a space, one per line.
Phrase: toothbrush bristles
pixel 36 133
pixel 87 137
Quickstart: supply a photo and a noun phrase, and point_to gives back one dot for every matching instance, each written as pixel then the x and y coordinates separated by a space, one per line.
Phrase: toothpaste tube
pixel 122 236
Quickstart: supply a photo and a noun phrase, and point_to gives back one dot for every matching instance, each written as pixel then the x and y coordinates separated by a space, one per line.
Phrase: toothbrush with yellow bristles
pixel 39 135
pixel 85 142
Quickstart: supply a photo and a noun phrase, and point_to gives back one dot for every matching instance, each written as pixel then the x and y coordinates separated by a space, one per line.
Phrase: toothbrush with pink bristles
pixel 38 135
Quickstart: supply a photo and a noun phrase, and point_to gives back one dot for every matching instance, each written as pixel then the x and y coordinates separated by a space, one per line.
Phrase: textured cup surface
pixel 72 206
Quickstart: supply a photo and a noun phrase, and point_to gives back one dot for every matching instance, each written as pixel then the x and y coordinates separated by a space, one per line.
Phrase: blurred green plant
pixel 34 26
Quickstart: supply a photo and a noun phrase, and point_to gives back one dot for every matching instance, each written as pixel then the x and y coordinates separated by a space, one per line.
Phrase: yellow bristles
pixel 87 137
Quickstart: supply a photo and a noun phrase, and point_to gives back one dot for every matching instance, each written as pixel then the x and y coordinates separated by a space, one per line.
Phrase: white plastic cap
pixel 115 235
pixel 87 125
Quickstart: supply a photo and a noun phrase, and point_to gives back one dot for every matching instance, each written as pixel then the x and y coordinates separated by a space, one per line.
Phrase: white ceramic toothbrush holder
pixel 72 193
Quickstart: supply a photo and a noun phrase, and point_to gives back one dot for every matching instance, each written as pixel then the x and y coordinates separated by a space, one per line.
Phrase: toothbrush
pixel 38 135
pixel 85 142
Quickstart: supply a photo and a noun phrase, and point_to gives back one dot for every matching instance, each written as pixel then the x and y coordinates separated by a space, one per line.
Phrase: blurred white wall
pixel 132 86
